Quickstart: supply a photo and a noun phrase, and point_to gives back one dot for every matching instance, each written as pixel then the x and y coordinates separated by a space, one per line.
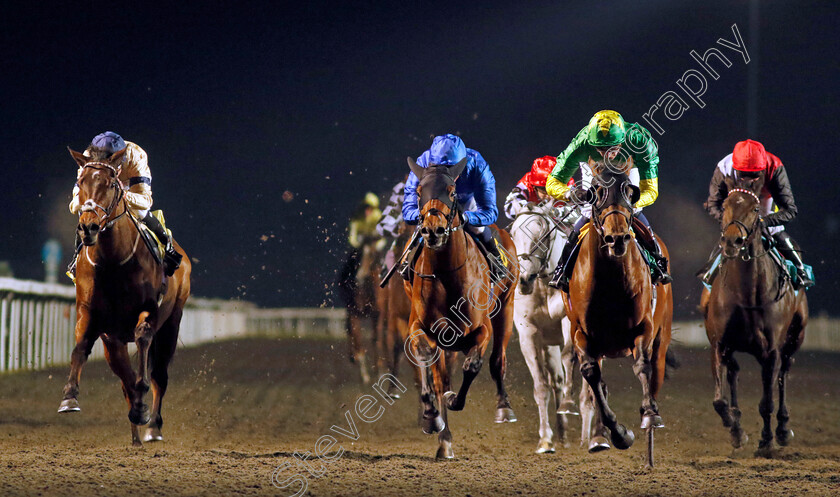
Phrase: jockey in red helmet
pixel 749 159
pixel 531 188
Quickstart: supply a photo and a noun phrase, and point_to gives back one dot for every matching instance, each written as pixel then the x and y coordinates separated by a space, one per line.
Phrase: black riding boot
pixel 71 268
pixel 497 268
pixel 171 258
pixel 661 263
pixel 563 271
pixel 790 250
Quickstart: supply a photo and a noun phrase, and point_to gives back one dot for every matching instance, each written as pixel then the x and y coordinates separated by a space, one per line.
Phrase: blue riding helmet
pixel 108 141
pixel 476 182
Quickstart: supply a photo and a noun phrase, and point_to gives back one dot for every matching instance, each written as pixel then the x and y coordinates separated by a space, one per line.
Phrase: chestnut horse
pixel 751 308
pixel 454 306
pixel 614 308
pixel 121 296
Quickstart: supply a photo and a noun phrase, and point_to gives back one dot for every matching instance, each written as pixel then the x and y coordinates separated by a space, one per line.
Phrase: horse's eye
pixel 755 210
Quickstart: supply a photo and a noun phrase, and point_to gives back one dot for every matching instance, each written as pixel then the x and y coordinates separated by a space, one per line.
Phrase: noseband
pixel 91 206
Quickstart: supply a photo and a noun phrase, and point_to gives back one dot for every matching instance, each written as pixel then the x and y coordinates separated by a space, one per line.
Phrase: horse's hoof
pixel 598 444
pixel 153 434
pixel 445 451
pixel 451 399
pixel 652 421
pixel 433 425
pixel 568 407
pixel 545 447
pixel 765 449
pixel 784 437
pixel 622 438
pixel 139 416
pixel 739 439
pixel 505 415
pixel 136 443
pixel 69 405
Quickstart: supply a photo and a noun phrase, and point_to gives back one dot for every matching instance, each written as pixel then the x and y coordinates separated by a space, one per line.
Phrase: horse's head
pixel 439 214
pixel 613 197
pixel 99 191
pixel 741 216
pixel 533 236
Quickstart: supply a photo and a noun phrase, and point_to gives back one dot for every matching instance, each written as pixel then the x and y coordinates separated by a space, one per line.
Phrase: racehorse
pixel 751 308
pixel 454 305
pixel 360 294
pixel 392 326
pixel 540 318
pixel 123 296
pixel 614 308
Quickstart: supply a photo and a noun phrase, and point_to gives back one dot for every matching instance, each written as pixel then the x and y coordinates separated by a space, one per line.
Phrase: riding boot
pixel 661 263
pixel 171 258
pixel 709 270
pixel 71 268
pixel 497 268
pixel 790 250
pixel 563 271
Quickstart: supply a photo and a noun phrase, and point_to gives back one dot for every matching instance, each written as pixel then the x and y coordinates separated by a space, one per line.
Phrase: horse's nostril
pixel 609 240
pixel 739 241
pixel 424 230
pixel 440 230
pixel 627 238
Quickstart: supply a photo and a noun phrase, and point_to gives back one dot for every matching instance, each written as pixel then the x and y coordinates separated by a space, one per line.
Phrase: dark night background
pixel 237 102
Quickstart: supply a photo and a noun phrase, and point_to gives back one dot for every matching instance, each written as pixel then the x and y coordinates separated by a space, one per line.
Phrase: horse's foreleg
pixel 116 354
pixel 85 338
pixel 783 433
pixel 357 348
pixel 424 353
pixel 644 371
pixel 441 374
pixel 769 376
pixel 739 438
pixel 556 378
pixel 533 351
pixel 472 365
pixel 502 324
pixel 567 358
pixel 621 437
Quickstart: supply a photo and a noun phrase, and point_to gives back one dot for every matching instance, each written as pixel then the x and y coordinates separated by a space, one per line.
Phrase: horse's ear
pixel 117 158
pixel 79 157
pixel 458 168
pixel 416 169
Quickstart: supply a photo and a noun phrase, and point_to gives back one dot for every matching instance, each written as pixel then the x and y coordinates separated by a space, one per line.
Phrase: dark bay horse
pixel 121 297
pixel 454 306
pixel 360 290
pixel 614 308
pixel 751 308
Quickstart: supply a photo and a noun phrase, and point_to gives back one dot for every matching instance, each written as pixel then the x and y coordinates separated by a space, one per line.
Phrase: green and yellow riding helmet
pixel 606 129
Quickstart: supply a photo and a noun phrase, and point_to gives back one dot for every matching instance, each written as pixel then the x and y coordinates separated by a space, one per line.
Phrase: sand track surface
pixel 237 410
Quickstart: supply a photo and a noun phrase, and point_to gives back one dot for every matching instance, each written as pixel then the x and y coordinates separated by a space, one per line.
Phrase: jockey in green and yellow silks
pixel 608 137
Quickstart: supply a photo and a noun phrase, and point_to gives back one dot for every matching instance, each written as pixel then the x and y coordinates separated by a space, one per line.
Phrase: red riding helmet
pixel 540 170
pixel 749 156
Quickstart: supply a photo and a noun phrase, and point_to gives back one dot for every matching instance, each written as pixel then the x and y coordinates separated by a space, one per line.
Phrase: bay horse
pixel 614 308
pixel 121 297
pixel 360 291
pixel 394 309
pixel 454 305
pixel 540 318
pixel 752 308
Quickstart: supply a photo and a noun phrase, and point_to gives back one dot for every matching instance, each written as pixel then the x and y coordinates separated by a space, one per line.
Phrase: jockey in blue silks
pixel 475 189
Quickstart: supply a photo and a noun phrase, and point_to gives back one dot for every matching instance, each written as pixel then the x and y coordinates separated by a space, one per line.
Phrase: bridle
pixel 748 232
pixel 547 233
pixel 598 218
pixel 91 206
